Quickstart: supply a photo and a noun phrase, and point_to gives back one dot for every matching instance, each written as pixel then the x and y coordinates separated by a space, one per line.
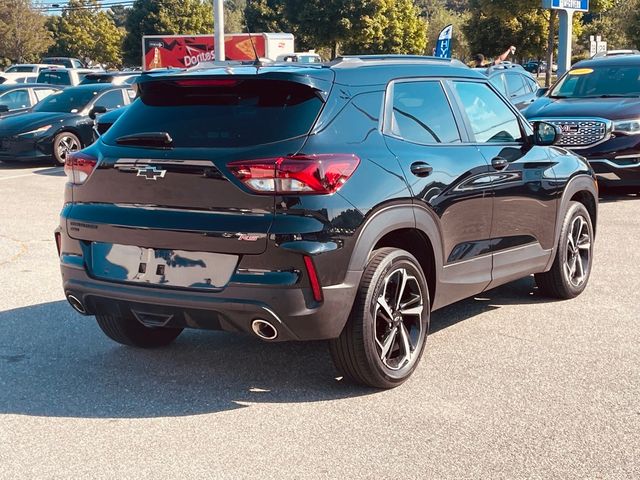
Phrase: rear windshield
pixel 598 81
pixel 89 79
pixel 55 78
pixel 221 113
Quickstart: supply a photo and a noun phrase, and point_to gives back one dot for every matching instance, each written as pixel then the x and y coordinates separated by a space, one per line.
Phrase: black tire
pixel 559 282
pixel 128 331
pixel 63 143
pixel 357 353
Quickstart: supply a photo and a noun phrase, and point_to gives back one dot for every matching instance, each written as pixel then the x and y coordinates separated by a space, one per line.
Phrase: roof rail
pixel 396 58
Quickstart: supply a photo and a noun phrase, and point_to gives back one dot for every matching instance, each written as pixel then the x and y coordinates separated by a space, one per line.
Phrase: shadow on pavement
pixel 23 165
pixel 612 195
pixel 54 362
pixel 51 172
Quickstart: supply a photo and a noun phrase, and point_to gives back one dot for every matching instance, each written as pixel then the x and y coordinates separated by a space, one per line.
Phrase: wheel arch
pixel 583 189
pixel 406 227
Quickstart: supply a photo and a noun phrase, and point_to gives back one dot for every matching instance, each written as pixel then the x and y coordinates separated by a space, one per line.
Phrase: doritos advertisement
pixel 184 51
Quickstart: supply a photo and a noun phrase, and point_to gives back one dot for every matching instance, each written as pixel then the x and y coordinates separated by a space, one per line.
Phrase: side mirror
pixel 545 134
pixel 4 108
pixel 97 110
pixel 542 91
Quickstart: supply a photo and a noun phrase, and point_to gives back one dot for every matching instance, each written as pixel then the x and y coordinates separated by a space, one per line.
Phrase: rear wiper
pixel 147 139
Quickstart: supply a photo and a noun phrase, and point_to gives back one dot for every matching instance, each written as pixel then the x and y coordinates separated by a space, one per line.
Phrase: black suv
pixel 343 201
pixel 597 107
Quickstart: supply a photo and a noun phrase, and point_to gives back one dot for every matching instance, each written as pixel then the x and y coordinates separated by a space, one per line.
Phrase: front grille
pixel 580 133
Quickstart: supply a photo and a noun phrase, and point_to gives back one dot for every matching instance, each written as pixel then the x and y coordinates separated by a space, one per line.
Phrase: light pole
pixel 218 28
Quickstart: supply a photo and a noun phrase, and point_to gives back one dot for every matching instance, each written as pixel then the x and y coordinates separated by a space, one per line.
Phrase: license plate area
pixel 161 267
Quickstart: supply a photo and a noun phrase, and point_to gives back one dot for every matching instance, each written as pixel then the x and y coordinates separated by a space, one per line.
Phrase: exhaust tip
pixel 264 329
pixel 76 304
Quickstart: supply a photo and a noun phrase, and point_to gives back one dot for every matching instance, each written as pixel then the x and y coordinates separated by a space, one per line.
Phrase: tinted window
pixel 531 84
pixel 491 120
pixel 422 114
pixel 111 100
pixel 42 93
pixel 59 77
pixel 220 113
pixel 20 69
pixel 68 100
pixel 515 85
pixel 16 99
pixel 498 82
pixel 599 80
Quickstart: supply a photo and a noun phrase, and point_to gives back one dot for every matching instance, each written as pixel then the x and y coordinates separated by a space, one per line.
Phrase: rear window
pixel 221 112
pixel 55 78
pixel 90 78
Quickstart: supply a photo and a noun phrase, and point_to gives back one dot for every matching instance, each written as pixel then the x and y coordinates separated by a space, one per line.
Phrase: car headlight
pixel 36 131
pixel 627 127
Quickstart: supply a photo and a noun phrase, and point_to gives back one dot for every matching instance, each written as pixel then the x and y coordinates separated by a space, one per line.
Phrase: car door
pixel 518 91
pixel 447 176
pixel 523 182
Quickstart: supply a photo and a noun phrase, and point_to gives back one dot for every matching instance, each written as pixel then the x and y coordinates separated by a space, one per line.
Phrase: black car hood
pixel 610 108
pixel 25 122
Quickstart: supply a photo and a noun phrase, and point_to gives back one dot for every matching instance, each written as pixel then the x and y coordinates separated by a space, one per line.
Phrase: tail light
pixel 296 174
pixel 78 166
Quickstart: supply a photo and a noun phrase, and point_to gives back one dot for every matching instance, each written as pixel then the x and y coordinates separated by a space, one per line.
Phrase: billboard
pixel 184 51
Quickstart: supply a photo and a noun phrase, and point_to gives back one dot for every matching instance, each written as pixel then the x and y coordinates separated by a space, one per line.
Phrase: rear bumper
pixel 291 310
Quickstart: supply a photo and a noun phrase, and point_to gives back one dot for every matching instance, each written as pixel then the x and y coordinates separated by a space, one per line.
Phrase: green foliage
pixel 234 16
pixel 86 32
pixel 497 24
pixel 343 26
pixel 164 17
pixel 23 34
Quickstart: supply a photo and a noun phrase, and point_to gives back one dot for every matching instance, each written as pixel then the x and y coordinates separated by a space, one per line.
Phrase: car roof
pixel 349 70
pixel 14 86
pixel 613 60
pixel 111 74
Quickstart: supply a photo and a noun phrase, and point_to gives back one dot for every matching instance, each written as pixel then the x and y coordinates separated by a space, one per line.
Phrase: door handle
pixel 421 169
pixel 499 163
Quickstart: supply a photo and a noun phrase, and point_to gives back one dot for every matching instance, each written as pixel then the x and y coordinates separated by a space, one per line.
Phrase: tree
pixel 497 24
pixel 119 14
pixel 234 16
pixel 395 28
pixel 23 34
pixel 164 17
pixel 87 32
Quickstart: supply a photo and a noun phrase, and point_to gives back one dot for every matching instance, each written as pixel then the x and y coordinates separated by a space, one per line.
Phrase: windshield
pixel 69 101
pixel 603 81
pixel 220 112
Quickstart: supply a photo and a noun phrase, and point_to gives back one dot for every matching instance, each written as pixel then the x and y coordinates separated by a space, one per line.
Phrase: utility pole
pixel 218 29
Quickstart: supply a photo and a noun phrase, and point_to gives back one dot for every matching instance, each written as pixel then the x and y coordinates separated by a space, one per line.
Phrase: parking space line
pixel 27 175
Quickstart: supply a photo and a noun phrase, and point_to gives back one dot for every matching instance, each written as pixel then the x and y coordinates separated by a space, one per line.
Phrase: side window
pixel 76 64
pixel 515 85
pixel 422 114
pixel 131 94
pixel 533 85
pixel 491 120
pixel 498 82
pixel 110 100
pixel 16 99
pixel 42 93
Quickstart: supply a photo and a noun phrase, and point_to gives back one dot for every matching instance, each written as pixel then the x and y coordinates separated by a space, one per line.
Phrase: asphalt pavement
pixel 512 385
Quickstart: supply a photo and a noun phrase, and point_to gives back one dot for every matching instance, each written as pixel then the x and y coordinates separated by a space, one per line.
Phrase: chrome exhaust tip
pixel 264 329
pixel 76 304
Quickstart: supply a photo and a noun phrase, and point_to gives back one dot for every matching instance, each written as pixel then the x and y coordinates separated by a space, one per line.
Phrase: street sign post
pixel 566 9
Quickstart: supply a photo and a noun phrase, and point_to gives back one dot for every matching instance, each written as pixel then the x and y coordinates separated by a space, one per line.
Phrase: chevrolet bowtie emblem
pixel 151 173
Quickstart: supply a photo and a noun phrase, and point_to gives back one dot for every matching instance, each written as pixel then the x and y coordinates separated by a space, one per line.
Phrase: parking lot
pixel 512 385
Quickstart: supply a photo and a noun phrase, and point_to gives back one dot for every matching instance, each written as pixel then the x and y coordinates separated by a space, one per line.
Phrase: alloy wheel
pixel 578 256
pixel 398 319
pixel 66 144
